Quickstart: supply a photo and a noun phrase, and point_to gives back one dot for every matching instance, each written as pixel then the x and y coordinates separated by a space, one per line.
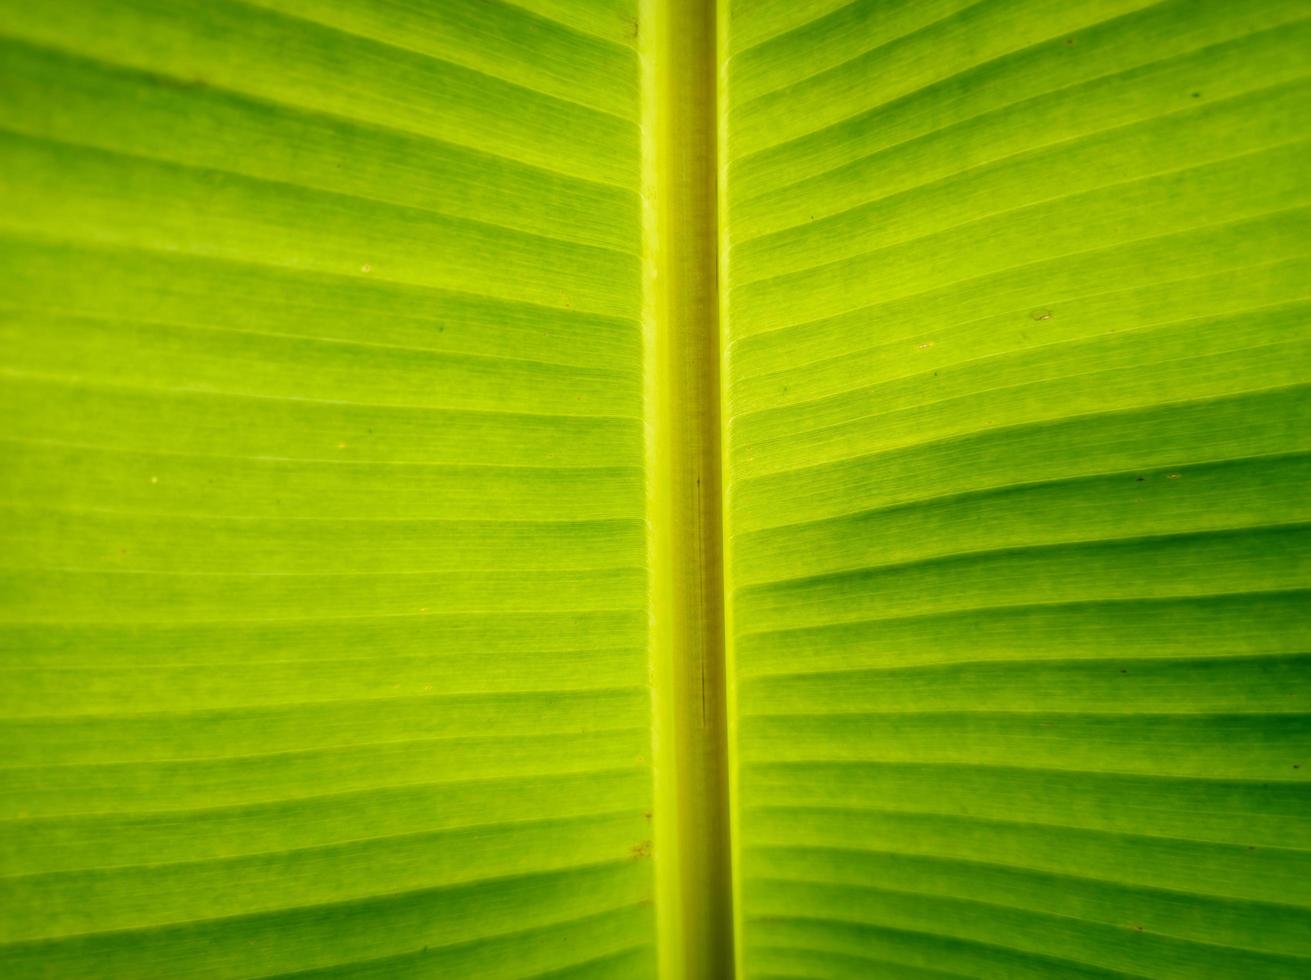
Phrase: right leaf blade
pixel 1017 455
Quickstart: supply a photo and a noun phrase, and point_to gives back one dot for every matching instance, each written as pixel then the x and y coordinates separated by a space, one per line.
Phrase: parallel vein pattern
pixel 1019 435
pixel 323 629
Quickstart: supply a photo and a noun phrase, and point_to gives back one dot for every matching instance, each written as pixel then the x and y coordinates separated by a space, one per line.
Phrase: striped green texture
pixel 1016 370
pixel 357 574
pixel 322 556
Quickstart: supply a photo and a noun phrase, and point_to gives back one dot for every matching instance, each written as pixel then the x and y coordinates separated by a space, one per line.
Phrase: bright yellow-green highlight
pixel 683 479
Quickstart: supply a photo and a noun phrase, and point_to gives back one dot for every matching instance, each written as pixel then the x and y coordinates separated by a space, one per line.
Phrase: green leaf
pixel 383 381
pixel 324 604
pixel 1017 463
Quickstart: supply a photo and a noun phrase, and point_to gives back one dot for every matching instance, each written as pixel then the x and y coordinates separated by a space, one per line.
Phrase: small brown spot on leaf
pixel 641 849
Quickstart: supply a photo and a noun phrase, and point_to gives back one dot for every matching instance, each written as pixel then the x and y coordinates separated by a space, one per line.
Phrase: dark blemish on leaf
pixel 1041 314
pixel 641 849
pixel 646 814
pixel 1197 95
pixel 1124 671
pixel 1141 479
pixel 1069 40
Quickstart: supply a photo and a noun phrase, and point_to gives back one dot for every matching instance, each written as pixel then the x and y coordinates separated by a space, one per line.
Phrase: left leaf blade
pixel 322 612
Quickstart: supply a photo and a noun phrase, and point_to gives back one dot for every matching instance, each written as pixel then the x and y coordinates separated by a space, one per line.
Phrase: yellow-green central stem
pixel 694 893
